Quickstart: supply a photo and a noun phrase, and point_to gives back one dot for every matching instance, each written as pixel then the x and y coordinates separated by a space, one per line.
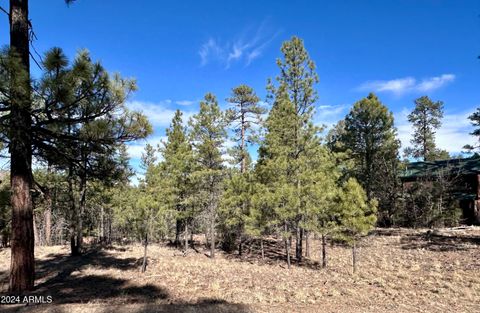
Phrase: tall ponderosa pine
pixel 242 118
pixel 208 135
pixel 275 169
pixel 426 119
pixel 91 123
pixel 244 115
pixel 369 136
pixel 178 166
pixel 22 269
pixel 296 86
pixel 17 128
pixel 78 120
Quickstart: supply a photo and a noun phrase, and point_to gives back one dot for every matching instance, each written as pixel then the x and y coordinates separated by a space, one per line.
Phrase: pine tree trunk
pixel 22 269
pixel 324 251
pixel 48 211
pixel 287 246
pixel 243 164
pixel 240 245
pixel 145 244
pixel 74 251
pixel 354 257
pixel 307 244
pixel 102 224
pixel 186 236
pixel 261 248
pixel 299 244
pixel 212 238
pixel 73 242
pixel 82 206
pixel 109 237
pixel 287 250
pixel 36 239
pixel 48 219
pixel 178 230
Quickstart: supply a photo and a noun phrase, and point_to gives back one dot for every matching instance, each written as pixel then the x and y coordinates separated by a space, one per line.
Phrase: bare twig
pixel 4 11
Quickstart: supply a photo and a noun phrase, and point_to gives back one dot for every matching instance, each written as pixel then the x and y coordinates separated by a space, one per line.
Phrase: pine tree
pixel 178 166
pixel 369 138
pixel 357 215
pixel 143 208
pixel 260 217
pixel 296 83
pixel 18 131
pixel 208 135
pixel 426 119
pixel 321 194
pixel 235 208
pixel 83 130
pixel 475 121
pixel 275 169
pixel 242 118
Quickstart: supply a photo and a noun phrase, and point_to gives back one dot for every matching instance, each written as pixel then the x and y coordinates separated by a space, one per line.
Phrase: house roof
pixel 465 166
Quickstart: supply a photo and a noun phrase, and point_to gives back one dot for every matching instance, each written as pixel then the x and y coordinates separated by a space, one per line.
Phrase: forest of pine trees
pixel 67 137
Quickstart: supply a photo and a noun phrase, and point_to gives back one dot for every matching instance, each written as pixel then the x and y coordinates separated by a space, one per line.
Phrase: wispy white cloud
pixel 158 113
pixel 408 84
pixel 210 49
pixel 433 83
pixel 452 135
pixel 329 115
pixel 136 148
pixel 243 48
pixel 186 102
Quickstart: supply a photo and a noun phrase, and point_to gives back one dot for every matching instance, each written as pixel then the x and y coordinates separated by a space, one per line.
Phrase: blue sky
pixel 179 50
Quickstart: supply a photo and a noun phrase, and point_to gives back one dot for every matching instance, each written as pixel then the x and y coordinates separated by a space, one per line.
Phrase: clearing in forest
pixel 399 271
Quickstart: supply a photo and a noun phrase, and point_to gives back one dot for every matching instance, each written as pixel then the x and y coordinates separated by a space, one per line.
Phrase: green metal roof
pixel 466 166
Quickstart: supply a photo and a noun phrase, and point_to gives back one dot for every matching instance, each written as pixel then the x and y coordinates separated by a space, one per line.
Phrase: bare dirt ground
pixel 398 271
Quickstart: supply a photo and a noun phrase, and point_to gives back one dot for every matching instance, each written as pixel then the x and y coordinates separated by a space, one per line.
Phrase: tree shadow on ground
pixel 201 306
pixel 65 278
pixel 60 276
pixel 429 240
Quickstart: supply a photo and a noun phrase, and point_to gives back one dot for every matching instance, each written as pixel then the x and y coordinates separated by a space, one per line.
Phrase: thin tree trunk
pixel 22 267
pixel 73 219
pixel 324 251
pixel 287 246
pixel 48 211
pixel 145 244
pixel 82 206
pixel 287 250
pixel 48 219
pixel 212 238
pixel 354 257
pixel 299 243
pixel 35 230
pixel 261 248
pixel 178 230
pixel 102 224
pixel 109 237
pixel 307 244
pixel 186 236
pixel 240 244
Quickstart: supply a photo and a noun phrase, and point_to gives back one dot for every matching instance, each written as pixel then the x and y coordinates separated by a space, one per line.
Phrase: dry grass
pixel 399 271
